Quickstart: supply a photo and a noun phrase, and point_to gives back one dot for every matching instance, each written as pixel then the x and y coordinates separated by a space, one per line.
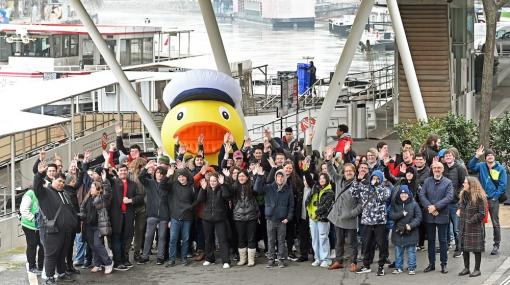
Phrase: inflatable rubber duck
pixel 203 102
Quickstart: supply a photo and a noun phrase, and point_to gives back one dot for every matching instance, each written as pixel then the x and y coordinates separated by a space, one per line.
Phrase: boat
pixel 342 25
pixel 277 13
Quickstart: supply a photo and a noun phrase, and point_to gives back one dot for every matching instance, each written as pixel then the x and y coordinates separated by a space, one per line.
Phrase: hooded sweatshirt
pixel 279 199
pixel 373 200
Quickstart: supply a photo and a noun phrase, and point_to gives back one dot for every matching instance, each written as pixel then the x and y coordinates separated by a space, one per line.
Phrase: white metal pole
pixel 407 60
pixel 220 56
pixel 117 71
pixel 13 174
pixel 337 82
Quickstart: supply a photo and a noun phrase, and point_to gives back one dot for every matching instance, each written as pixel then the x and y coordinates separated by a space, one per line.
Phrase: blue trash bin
pixel 303 74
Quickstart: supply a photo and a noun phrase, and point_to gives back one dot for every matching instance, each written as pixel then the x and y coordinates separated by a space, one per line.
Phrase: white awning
pixel 50 91
pixel 16 122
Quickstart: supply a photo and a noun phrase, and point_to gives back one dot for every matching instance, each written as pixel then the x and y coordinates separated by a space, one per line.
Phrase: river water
pixel 280 49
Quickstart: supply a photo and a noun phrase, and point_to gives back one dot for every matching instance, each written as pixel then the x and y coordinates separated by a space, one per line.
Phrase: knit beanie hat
pixel 405 189
pixel 489 151
pixel 164 160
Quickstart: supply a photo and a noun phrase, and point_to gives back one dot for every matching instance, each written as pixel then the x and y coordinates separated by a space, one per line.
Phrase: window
pixel 57 46
pixel 67 45
pixel 125 52
pixel 6 49
pixel 73 45
pixel 148 50
pixel 88 52
pixel 136 51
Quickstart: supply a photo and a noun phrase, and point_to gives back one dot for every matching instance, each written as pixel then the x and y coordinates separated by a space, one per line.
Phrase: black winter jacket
pixel 156 197
pixel 181 197
pixel 215 203
pixel 401 236
pixel 457 174
pixel 279 202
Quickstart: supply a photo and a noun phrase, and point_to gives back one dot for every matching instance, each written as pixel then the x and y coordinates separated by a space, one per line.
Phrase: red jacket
pixel 340 146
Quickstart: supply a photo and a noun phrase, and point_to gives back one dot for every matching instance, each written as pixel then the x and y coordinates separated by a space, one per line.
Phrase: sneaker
pixel 302 259
pixel 397 271
pixel 160 261
pixel 143 261
pixel 420 248
pixel 380 271
pixel 412 272
pixel 121 267
pixel 51 281
pixel 457 254
pixel 363 269
pixel 270 263
pixel 128 264
pixel 226 266
pixel 65 278
pixel 495 250
pixel 316 263
pixel 392 265
pixel 86 265
pixel 96 269
pixel 170 264
pixel 207 263
pixel 108 269
pixel 185 262
pixel 324 264
pixel 281 263
pixel 35 271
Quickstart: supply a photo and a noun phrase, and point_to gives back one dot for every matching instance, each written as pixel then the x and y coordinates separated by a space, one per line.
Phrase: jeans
pixel 276 233
pixel 494 214
pixel 442 232
pixel 320 241
pixel 454 220
pixel 179 228
pixel 81 247
pixel 247 234
pixel 374 233
pixel 96 242
pixel 411 257
pixel 34 241
pixel 352 242
pixel 221 233
pixel 152 225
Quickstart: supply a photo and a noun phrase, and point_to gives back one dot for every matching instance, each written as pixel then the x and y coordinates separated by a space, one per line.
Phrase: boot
pixel 251 256
pixel 242 257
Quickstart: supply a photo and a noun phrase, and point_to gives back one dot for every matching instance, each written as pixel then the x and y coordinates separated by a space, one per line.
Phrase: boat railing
pixel 69 68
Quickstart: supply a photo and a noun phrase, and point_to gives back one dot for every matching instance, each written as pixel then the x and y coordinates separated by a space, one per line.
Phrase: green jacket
pixel 29 208
pixel 319 203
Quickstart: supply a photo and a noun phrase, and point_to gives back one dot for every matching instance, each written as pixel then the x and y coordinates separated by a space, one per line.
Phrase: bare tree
pixel 490 8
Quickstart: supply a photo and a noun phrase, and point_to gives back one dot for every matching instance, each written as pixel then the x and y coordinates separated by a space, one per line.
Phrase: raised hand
pixel 247 143
pixel 221 179
pixel 42 167
pixel 435 159
pixel 203 170
pixel 201 139
pixel 260 170
pixel 403 168
pixel 103 175
pixel 267 134
pixel 180 165
pixel 226 137
pixel 228 148
pixel 42 155
pixel 171 171
pixel 231 138
pixel 480 151
pixel 203 183
pixel 182 149
pixel 160 151
pixel 347 147
pixel 271 162
pixel 87 155
pixel 330 152
pixel 150 164
pixel 176 139
pixel 118 128
pixel 226 172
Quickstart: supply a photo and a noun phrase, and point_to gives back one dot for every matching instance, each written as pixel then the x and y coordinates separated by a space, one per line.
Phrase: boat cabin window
pixel 65 45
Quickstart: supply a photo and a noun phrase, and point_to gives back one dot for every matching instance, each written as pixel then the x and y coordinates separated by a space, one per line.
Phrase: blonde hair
pixel 475 192
pixel 136 165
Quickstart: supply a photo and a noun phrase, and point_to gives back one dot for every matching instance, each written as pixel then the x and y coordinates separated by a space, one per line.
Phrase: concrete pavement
pixel 494 270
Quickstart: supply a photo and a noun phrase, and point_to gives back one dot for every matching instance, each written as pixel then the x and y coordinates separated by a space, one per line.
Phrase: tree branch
pixel 500 3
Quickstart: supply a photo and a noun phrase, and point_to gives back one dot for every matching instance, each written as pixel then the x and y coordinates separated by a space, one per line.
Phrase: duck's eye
pixel 180 113
pixel 224 113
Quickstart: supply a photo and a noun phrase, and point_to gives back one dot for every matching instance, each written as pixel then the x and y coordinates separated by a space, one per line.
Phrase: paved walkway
pixel 494 270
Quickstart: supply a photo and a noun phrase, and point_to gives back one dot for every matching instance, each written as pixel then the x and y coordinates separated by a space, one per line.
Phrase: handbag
pixel 103 221
pixel 50 226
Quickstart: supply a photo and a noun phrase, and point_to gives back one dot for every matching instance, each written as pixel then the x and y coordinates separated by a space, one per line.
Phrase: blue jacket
pixel 483 172
pixel 438 193
pixel 279 202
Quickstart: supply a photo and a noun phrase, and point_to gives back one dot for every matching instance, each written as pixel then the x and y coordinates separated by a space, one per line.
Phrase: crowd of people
pixel 279 199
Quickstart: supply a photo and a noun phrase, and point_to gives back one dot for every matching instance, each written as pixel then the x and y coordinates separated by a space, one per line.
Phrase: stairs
pixel 426 28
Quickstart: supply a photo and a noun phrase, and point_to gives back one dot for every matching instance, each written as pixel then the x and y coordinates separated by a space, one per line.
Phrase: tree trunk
pixel 488 73
pixel 490 8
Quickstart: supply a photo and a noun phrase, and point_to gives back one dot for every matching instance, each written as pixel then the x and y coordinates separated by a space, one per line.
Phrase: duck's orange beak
pixel 213 136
